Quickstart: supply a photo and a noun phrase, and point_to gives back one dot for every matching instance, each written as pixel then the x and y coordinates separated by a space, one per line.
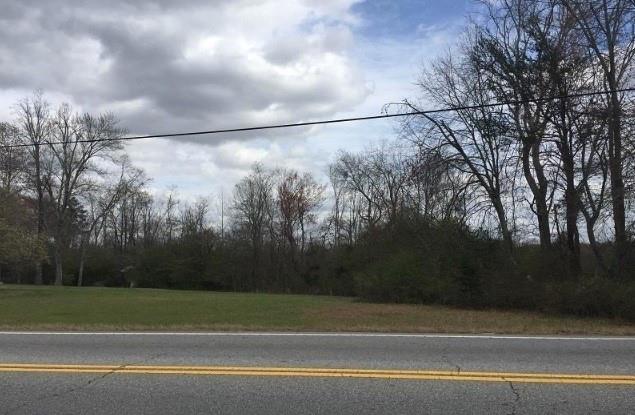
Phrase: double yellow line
pixel 326 372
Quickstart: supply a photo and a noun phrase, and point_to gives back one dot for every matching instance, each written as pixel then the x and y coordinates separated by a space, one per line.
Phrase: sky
pixel 166 66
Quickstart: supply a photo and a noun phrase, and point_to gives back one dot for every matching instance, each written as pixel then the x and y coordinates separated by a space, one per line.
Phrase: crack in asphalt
pixel 516 397
pixel 449 362
pixel 65 392
pixel 444 356
pixel 81 386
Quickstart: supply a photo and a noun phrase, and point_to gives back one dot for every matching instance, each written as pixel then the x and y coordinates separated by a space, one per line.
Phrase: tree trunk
pixel 594 245
pixel 541 201
pixel 617 184
pixel 530 156
pixel 506 233
pixel 80 272
pixel 40 210
pixel 573 237
pixel 38 273
pixel 59 272
pixel 572 205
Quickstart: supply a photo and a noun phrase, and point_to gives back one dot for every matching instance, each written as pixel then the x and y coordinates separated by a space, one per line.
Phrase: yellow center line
pixel 561 378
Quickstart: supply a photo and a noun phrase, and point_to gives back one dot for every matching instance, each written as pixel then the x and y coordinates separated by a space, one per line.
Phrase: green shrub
pixel 592 297
pixel 402 278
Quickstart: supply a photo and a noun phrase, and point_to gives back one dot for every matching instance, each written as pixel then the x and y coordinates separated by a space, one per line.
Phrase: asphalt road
pixel 313 373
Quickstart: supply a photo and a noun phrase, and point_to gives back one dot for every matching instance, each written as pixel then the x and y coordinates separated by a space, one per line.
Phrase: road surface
pixel 273 373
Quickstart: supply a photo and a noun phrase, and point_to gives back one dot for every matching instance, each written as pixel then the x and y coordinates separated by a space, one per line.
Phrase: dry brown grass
pixel 438 319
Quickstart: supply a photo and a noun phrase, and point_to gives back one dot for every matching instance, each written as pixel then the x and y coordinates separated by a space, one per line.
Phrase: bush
pixel 592 297
pixel 445 263
pixel 402 278
pixel 429 263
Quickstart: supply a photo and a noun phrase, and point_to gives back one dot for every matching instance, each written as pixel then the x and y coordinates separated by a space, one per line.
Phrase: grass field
pixel 68 308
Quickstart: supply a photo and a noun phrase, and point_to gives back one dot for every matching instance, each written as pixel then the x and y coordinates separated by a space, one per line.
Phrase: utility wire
pixel 330 121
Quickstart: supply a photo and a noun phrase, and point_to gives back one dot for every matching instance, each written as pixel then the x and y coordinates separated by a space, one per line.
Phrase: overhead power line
pixel 331 121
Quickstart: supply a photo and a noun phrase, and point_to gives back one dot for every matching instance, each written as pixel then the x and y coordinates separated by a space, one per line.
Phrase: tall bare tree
pixel 516 69
pixel 100 199
pixel 474 138
pixel 12 159
pixel 253 209
pixel 33 118
pixel 298 196
pixel 608 26
pixel 75 143
pixel 570 73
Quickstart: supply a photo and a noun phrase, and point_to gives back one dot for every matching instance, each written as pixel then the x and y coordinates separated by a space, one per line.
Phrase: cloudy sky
pixel 165 66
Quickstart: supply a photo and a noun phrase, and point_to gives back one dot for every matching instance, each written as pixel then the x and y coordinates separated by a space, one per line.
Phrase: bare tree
pixel 390 170
pixel 354 175
pixel 436 190
pixel 380 176
pixel 595 176
pixel 474 138
pixel 33 118
pixel 344 221
pixel 253 207
pixel 100 199
pixel 124 224
pixel 608 28
pixel 74 144
pixel 171 222
pixel 516 72
pixel 197 236
pixel 570 73
pixel 12 159
pixel 335 220
pixel 298 196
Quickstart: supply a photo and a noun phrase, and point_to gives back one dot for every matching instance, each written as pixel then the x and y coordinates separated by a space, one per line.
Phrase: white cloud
pixel 187 65
pixel 165 66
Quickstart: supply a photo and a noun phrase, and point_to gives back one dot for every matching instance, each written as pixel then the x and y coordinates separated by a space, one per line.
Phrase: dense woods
pixel 521 196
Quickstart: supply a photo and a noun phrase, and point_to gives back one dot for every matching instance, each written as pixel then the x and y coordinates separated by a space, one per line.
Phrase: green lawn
pixel 68 308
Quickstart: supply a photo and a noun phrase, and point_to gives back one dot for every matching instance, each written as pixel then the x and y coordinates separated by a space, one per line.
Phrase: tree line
pixel 520 196
pixel 567 154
